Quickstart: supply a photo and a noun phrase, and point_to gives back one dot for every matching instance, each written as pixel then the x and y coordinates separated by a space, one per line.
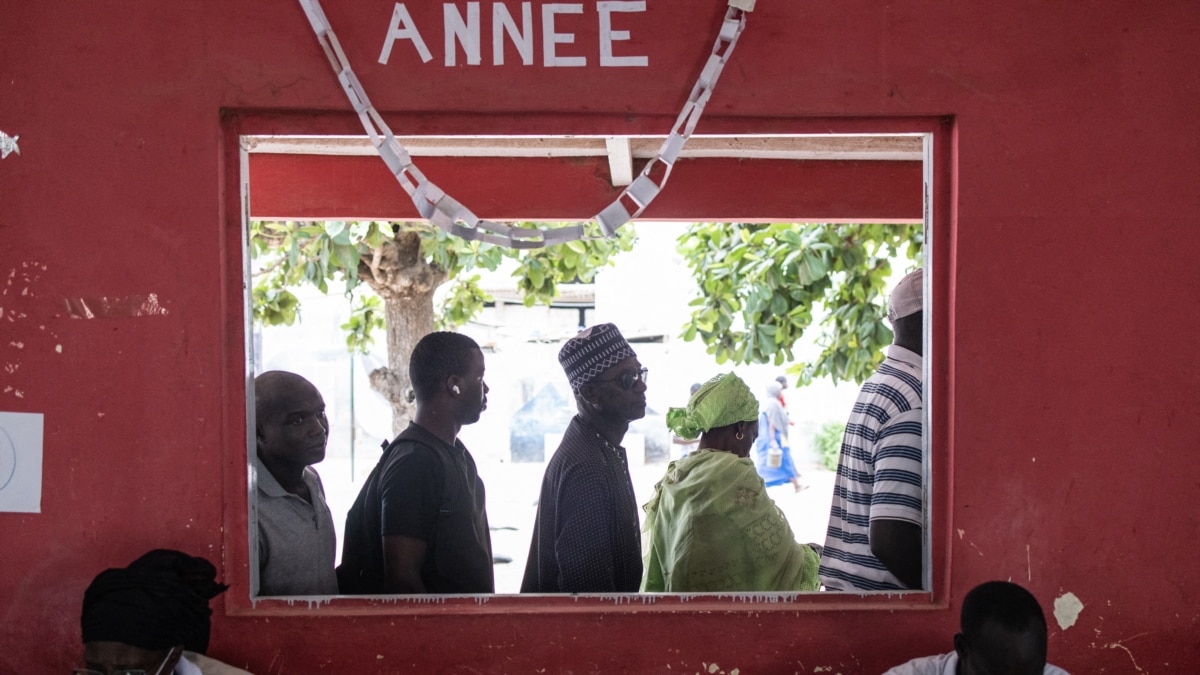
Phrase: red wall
pixel 1065 300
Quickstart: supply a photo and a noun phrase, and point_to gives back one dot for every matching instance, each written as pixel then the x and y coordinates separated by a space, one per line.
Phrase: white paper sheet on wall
pixel 20 462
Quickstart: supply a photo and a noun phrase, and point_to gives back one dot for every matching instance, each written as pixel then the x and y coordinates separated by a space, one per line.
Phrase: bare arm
pixel 897 544
pixel 402 559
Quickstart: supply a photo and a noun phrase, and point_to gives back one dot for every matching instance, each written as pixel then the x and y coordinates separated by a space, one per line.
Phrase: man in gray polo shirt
pixel 296 540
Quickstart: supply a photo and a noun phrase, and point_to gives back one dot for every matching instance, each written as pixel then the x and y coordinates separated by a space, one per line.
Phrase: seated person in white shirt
pixel 1003 633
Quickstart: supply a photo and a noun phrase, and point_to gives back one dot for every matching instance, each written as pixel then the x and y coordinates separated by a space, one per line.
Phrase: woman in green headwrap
pixel 711 527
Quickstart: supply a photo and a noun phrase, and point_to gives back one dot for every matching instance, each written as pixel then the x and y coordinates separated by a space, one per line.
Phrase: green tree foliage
pixel 322 253
pixel 828 443
pixel 293 253
pixel 762 286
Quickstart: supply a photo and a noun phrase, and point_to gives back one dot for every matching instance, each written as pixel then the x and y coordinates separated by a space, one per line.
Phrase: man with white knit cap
pixel 874 538
pixel 587 537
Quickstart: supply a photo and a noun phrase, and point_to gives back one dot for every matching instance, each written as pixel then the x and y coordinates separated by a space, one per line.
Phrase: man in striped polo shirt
pixel 874 539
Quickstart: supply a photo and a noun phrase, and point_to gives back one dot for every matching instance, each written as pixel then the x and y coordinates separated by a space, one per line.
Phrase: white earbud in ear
pixel 455 389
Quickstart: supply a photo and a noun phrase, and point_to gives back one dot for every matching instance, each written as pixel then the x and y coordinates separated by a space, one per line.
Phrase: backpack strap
pixel 416 438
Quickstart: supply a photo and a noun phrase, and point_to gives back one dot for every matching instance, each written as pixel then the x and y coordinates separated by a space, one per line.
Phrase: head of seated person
pixel 144 616
pixel 1003 631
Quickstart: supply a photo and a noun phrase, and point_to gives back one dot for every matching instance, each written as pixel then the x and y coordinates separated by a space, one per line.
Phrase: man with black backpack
pixel 419 524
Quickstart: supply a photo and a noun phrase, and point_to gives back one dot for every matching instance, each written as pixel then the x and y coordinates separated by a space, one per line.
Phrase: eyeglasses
pixel 127 671
pixel 629 378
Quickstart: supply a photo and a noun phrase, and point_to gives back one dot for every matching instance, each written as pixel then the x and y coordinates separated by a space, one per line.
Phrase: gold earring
pixel 740 435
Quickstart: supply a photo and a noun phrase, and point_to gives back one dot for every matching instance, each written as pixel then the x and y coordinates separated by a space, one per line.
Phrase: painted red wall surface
pixel 1065 301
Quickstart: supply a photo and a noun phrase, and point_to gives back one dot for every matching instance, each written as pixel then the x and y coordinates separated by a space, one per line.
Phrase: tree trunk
pixel 406 283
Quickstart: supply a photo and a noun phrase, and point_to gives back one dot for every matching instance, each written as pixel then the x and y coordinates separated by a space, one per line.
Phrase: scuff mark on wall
pixel 966 83
pixel 1120 644
pixel 130 306
pixel 1066 610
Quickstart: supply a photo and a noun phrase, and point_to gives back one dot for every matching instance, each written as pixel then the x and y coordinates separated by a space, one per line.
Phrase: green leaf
pixel 778 275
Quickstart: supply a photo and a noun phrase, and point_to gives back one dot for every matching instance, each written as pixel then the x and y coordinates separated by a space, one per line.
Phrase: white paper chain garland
pixel 450 215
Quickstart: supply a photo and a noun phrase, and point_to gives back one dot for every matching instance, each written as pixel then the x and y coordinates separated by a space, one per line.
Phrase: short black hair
pixel 1006 605
pixel 437 357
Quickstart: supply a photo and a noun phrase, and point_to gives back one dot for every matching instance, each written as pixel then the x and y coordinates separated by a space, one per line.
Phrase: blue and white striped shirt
pixel 879 474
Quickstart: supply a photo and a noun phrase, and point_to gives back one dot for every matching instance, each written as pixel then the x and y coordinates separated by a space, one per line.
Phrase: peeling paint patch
pixel 8 144
pixel 131 306
pixel 1066 610
pixel 961 532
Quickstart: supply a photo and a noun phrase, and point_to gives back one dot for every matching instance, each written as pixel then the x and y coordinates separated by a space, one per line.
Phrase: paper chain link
pixel 452 216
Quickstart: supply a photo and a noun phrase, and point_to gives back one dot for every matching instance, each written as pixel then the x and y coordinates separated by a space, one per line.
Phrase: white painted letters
pixel 464 30
pixel 465 33
pixel 608 35
pixel 503 22
pixel 402 28
pixel 550 38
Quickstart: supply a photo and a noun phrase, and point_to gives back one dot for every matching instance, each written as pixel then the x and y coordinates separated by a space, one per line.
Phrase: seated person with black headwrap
pixel 151 618
pixel 710 526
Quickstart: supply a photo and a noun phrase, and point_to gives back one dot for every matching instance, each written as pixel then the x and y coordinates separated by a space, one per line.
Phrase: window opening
pixel 357 409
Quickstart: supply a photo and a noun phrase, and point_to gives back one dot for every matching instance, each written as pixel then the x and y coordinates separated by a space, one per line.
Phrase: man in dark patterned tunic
pixel 587 538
